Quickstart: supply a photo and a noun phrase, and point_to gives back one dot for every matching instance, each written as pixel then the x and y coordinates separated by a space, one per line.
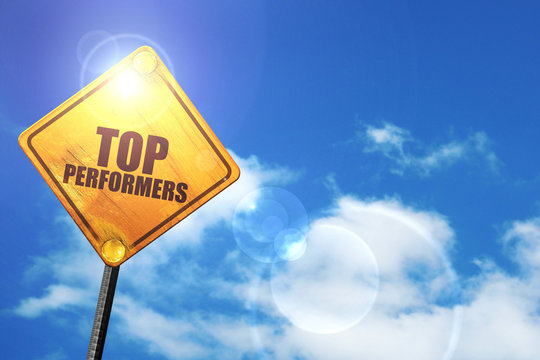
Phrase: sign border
pixel 168 219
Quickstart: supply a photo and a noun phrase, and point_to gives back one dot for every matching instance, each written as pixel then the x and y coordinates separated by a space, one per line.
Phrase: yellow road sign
pixel 129 156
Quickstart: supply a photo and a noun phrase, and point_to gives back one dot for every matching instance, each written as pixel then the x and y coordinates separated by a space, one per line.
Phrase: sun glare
pixel 127 83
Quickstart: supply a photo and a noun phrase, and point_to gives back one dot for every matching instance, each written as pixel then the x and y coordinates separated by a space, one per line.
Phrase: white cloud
pixel 162 335
pixel 389 136
pixel 523 241
pixel 191 337
pixel 406 321
pixel 57 297
pixel 178 303
pixel 409 154
pixel 501 322
pixel 499 318
pixel 399 238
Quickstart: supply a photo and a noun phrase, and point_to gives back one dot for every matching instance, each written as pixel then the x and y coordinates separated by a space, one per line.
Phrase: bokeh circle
pixel 269 225
pixel 338 261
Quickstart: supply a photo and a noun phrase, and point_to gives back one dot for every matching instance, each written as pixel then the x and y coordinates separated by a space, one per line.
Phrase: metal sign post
pixel 103 312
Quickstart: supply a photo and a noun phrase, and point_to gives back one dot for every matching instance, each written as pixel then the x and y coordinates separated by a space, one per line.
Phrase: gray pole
pixel 103 312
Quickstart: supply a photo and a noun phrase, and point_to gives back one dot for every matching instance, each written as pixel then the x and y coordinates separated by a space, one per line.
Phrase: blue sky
pixel 401 135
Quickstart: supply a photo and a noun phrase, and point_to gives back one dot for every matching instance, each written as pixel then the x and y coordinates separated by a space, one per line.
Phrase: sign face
pixel 129 156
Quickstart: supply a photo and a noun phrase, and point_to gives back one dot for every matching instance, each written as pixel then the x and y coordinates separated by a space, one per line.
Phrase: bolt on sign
pixel 129 156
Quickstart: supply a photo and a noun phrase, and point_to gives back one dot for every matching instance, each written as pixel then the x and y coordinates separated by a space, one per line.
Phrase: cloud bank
pixel 375 282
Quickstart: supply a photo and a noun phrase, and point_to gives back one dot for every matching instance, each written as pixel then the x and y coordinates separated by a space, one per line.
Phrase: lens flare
pixel 269 225
pixel 127 83
pixel 341 263
pixel 131 92
pixel 328 289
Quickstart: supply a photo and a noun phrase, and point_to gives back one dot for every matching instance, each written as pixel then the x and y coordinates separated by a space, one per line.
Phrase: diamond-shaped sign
pixel 129 156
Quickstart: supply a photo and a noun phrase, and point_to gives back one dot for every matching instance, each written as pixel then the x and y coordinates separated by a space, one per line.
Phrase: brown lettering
pixel 69 171
pixel 105 146
pixel 103 178
pixel 91 177
pixel 127 138
pixel 80 175
pixel 127 183
pixel 143 186
pixel 182 196
pixel 151 155
pixel 157 188
pixel 115 181
pixel 168 190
